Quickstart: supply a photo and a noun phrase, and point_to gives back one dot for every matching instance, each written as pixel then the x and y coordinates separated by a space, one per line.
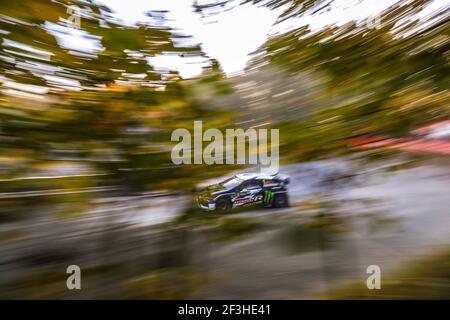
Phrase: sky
pixel 229 36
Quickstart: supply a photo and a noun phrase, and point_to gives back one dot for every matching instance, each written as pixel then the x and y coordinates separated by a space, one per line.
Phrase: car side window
pixel 252 184
pixel 270 183
pixel 244 185
pixel 260 183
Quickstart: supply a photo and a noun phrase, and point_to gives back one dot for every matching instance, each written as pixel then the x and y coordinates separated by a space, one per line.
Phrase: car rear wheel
pixel 280 200
pixel 223 205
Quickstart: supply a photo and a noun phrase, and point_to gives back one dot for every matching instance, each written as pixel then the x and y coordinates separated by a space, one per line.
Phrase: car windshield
pixel 231 183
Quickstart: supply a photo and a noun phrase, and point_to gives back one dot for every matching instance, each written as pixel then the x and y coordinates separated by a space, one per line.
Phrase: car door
pixel 250 193
pixel 256 191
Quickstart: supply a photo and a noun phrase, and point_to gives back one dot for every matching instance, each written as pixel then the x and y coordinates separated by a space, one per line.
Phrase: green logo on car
pixel 268 196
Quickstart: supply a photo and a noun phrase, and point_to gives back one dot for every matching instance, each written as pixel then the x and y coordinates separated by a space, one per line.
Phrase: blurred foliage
pixel 236 228
pixel 170 283
pixel 107 108
pixel 426 277
pixel 166 284
pixel 324 87
pixel 293 8
pixel 103 109
pixel 84 100
pixel 385 80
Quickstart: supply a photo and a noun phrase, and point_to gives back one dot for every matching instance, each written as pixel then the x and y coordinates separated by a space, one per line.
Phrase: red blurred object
pixel 430 128
pixel 425 143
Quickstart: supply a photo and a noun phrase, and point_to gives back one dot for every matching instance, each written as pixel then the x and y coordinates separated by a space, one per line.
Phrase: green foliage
pixel 384 81
pixel 106 107
pixel 424 278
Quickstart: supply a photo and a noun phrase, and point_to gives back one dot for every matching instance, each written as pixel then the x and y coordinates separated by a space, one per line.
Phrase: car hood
pixel 213 191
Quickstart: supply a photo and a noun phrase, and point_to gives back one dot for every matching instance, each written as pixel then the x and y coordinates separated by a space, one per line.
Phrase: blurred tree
pixel 88 90
pixel 385 80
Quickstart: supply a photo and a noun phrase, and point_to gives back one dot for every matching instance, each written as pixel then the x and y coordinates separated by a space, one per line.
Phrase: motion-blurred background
pixel 91 91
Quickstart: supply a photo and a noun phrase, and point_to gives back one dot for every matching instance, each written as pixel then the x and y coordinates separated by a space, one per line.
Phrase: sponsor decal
pixel 268 196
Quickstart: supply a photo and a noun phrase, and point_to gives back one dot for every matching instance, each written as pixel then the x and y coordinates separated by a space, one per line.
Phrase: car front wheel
pixel 223 205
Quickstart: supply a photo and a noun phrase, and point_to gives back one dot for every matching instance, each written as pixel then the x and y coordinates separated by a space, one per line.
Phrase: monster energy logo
pixel 268 196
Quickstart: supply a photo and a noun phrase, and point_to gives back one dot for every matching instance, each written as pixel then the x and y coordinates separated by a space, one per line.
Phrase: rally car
pixel 244 190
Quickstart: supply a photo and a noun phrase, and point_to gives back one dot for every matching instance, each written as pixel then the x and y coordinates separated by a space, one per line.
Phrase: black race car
pixel 243 190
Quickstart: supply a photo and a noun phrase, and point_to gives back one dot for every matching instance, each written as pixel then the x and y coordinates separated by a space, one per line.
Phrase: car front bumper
pixel 210 206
